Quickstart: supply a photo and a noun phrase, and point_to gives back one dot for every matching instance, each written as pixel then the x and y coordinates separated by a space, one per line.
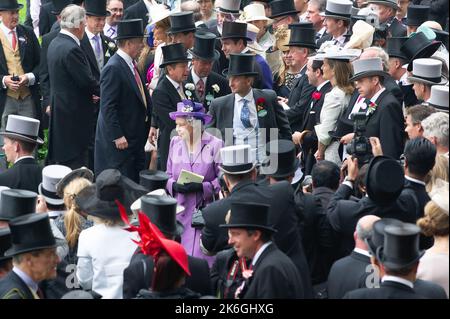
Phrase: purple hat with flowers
pixel 191 108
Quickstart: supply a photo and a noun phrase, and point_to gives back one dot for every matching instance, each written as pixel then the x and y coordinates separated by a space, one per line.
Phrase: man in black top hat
pixel 169 92
pixel 283 13
pixel 122 131
pixel 34 257
pixel 208 84
pixel 182 28
pixel 417 14
pixel 5 244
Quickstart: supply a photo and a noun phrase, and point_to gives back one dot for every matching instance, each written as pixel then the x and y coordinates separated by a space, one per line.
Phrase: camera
pixel 360 146
pixel 15 78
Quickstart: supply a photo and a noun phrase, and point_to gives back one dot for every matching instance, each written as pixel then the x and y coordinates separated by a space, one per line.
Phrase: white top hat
pixel 439 98
pixel 427 71
pixel 136 206
pixel 255 12
pixel 229 6
pixel 23 128
pixel 237 159
pixel 51 175
pixel 338 9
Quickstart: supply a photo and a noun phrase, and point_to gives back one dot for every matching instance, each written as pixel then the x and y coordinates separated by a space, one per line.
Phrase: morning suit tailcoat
pixel 72 87
pixel 213 79
pixel 43 68
pixel 274 277
pixel 387 290
pixel 123 112
pixel 13 287
pixel 396 29
pixel 86 46
pixel 137 10
pixel 222 111
pixel 25 174
pixel 46 18
pixel 29 58
pixel 139 274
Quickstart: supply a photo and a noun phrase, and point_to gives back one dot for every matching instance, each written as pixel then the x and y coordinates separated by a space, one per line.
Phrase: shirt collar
pixel 196 78
pixel 89 34
pixel 259 252
pixel 245 50
pixel 322 31
pixel 361 251
pixel 26 279
pixel 176 85
pixel 414 180
pixel 6 30
pixel 341 39
pixel 248 97
pixel 63 31
pixel 322 85
pixel 126 57
pixel 23 157
pixel 399 280
pixel 377 95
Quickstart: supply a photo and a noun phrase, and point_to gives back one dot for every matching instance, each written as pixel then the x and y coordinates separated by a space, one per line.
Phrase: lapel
pixel 377 102
pixel 227 111
pixel 87 49
pixel 131 79
pixel 266 252
pixel 22 44
pixel 190 79
pixel 106 49
pixel 257 94
pixel 360 257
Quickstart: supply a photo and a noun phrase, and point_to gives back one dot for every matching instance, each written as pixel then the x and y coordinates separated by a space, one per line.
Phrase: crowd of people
pixel 283 149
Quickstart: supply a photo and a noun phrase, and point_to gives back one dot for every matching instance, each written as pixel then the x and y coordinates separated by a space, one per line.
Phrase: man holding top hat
pixel 125 110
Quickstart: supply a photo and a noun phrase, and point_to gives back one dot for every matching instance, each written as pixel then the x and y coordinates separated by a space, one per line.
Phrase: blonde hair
pixel 342 73
pixel 440 171
pixel 435 221
pixel 72 218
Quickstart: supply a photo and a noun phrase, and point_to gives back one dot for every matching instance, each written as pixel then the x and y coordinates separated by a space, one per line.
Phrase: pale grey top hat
pixel 439 98
pixel 23 128
pixel 51 176
pixel 237 159
pixel 338 9
pixel 389 3
pixel 229 6
pixel 427 71
pixel 367 67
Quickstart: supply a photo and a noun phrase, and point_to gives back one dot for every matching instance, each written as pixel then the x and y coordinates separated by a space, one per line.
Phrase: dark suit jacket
pixel 29 58
pixel 222 111
pixel 128 3
pixel 12 287
pixel 329 37
pixel 72 87
pixel 409 96
pixel 137 11
pixel 387 290
pixel 86 46
pixel 43 69
pixel 139 274
pixel 122 113
pixel 275 277
pixel 46 18
pixel 397 29
pixel 25 174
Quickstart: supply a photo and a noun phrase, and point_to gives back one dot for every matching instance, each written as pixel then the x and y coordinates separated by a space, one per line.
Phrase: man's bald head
pixel 364 230
pixel 432 24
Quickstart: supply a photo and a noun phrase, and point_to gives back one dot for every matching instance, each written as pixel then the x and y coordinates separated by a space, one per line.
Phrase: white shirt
pixel 110 31
pixel 91 37
pixel 23 157
pixel 70 35
pixel 398 279
pixel 259 252
pixel 415 180
pixel 361 251
pixel 176 85
pixel 341 39
pixel 361 105
pixel 127 59
pixel 196 78
pixel 35 10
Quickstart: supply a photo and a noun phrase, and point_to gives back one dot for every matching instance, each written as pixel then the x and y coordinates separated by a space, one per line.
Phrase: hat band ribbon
pixel 238 168
pixel 33 137
pixel 228 10
pixel 49 194
pixel 435 79
pixel 329 13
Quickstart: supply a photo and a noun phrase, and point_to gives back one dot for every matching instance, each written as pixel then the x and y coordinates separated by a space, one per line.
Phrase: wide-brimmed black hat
pixel 96 8
pixel 153 180
pixel 302 35
pixel 23 128
pixel 393 47
pixel 59 5
pixel 417 14
pixel 182 22
pixel 30 233
pixel 5 243
pixel 376 239
pixel 99 199
pixel 281 159
pixel 385 180
pixel 6 5
pixel 174 53
pixel 401 246
pixel 129 29
pixel 82 172
pixel 249 216
pixel 282 8
pixel 234 30
pixel 364 68
pixel 204 46
pixel 241 64
pixel 162 211
pixel 16 202
pixel 419 46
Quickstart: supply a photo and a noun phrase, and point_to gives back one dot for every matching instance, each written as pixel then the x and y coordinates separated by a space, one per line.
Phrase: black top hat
pixel 182 22
pixel 241 64
pixel 302 35
pixel 5 243
pixel 128 29
pixel 153 180
pixel 282 160
pixel 249 216
pixel 234 30
pixel 16 202
pixel 416 15
pixel 377 237
pixel 419 46
pixel 282 8
pixel 385 180
pixel 204 46
pixel 6 5
pixel 401 246
pixel 96 8
pixel 173 53
pixel 99 199
pixel 442 36
pixel 393 47
pixel 162 211
pixel 29 233
pixel 59 5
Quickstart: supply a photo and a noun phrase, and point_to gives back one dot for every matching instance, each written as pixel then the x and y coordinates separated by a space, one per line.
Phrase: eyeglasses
pixel 115 10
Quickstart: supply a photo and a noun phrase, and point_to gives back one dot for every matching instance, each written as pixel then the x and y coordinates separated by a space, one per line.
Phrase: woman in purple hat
pixel 194 151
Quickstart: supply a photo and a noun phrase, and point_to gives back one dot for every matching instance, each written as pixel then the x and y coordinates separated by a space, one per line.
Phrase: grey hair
pixel 72 16
pixel 363 233
pixel 436 125
pixel 382 55
pixel 320 4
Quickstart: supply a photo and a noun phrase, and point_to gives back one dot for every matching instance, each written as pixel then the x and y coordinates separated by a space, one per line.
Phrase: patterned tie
pixel 181 93
pixel 200 88
pixel 98 50
pixel 14 41
pixel 245 114
pixel 111 32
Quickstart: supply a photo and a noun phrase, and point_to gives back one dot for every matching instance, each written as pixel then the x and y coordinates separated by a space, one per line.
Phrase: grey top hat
pixel 439 98
pixel 237 159
pixel 23 128
pixel 338 9
pixel 427 71
pixel 367 67
pixel 229 6
pixel 389 3
pixel 51 176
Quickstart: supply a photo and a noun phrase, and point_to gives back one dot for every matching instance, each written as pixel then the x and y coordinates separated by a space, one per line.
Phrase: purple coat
pixel 205 162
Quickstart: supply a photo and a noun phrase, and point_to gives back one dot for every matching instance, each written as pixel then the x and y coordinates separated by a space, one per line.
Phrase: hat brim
pixel 237 172
pixel 226 74
pixel 335 16
pixel 136 206
pixel 201 116
pixel 226 11
pixel 259 18
pixel 367 74
pixel 396 265
pixel 51 201
pixel 281 14
pixel 190 29
pixel 132 37
pixel 424 81
pixel 426 52
pixel 291 171
pixel 303 45
pixel 187 60
pixel 14 251
pixel 389 4
pixel 19 6
pixel 235 37
pixel 196 55
pixel 38 140
pixel 248 226
pixel 96 14
pixel 82 172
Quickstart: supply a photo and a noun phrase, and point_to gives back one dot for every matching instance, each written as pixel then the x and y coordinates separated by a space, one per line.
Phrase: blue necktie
pixel 245 114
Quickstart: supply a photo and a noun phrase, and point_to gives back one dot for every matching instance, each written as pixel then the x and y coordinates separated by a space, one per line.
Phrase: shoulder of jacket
pixel 14 293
